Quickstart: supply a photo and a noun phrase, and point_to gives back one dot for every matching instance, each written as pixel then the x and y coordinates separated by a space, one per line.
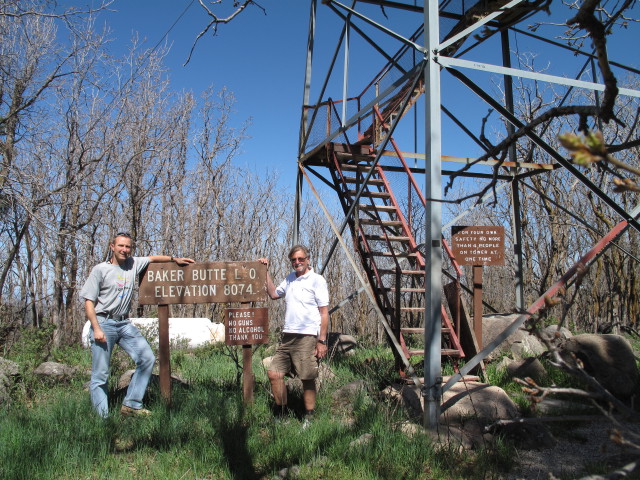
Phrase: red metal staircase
pixel 385 228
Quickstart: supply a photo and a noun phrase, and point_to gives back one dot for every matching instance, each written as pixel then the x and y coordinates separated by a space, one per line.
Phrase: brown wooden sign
pixel 211 282
pixel 246 326
pixel 478 245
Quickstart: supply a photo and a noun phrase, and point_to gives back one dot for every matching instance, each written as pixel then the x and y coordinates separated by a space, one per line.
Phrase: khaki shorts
pixel 296 355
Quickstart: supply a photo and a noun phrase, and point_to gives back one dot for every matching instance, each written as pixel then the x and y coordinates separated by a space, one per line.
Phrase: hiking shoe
pixel 134 412
pixel 306 422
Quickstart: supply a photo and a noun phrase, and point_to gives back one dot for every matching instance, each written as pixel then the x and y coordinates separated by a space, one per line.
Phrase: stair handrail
pixel 414 184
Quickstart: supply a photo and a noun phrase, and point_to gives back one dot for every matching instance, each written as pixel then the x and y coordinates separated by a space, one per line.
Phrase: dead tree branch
pixel 216 20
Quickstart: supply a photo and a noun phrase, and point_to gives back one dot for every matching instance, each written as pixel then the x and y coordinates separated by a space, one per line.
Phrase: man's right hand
pixel 99 336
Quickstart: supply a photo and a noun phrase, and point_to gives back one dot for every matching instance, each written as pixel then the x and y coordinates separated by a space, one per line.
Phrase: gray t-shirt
pixel 111 286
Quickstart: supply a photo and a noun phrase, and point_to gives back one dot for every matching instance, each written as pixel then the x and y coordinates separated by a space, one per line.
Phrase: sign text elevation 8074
pixel 210 282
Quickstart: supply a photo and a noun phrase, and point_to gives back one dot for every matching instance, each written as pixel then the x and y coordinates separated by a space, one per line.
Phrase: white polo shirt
pixel 303 295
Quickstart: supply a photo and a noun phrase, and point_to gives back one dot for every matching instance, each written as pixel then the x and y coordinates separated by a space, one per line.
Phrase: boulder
pixel 526 436
pixel 463 401
pixel 480 401
pixel 194 332
pixel 9 372
pixel 9 368
pixel 341 343
pixel 561 333
pixel 607 358
pixel 520 344
pixel 345 396
pixel 527 367
pixel 5 388
pixel 325 374
pixel 125 379
pixel 55 371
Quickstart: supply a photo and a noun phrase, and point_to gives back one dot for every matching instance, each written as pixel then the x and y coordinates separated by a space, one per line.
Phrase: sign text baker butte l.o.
pixel 209 282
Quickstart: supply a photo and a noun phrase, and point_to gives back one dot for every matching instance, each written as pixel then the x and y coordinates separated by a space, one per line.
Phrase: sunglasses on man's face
pixel 298 259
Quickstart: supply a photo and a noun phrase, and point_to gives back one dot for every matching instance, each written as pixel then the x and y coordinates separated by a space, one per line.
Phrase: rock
pixel 480 401
pixel 325 374
pixel 527 367
pixel 526 435
pixel 55 371
pixel 290 472
pixel 349 393
pixel 341 343
pixel 125 379
pixel 410 429
pixel 520 343
pixel 5 389
pixel 406 395
pixel 362 440
pixel 192 332
pixel 266 362
pixel 465 400
pixel 9 368
pixel 608 358
pixel 558 407
pixel 561 333
pixel 9 372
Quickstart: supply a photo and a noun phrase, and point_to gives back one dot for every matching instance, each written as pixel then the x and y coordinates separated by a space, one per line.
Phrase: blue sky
pixel 261 57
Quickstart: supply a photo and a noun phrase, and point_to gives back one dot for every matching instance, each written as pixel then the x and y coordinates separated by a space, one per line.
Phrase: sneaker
pixel 307 420
pixel 281 420
pixel 134 412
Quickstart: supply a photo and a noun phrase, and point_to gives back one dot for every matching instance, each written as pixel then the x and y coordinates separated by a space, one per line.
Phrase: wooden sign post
pixel 165 284
pixel 478 246
pixel 247 327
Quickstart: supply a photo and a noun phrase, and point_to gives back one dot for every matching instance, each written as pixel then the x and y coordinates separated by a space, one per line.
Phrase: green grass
pixel 51 432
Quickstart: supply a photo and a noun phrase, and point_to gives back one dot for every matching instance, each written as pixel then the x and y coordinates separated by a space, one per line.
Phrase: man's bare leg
pixel 309 395
pixel 278 388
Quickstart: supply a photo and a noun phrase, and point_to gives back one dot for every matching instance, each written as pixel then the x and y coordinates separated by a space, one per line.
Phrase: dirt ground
pixel 582 449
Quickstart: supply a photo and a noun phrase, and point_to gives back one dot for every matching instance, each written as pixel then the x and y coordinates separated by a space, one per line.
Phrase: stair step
pixel 391 238
pixel 370 194
pixel 371 181
pixel 391 254
pixel 420 330
pixel 379 208
pixel 412 290
pixel 403 290
pixel 384 223
pixel 448 352
pixel 403 272
pixel 353 156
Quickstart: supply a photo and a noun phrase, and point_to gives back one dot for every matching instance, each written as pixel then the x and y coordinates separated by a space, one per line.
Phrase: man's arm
pixel 167 258
pixel 271 288
pixel 90 311
pixel 321 349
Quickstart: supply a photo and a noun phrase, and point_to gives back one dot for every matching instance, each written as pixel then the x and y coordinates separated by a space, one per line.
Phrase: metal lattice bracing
pixel 378 129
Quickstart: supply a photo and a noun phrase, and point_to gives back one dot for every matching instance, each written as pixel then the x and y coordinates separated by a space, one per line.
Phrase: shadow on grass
pixel 234 439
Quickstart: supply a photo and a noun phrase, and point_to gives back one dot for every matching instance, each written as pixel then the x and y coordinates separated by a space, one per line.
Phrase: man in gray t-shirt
pixel 107 295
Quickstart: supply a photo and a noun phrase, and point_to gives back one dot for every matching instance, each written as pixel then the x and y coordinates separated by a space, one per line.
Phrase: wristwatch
pixel 323 342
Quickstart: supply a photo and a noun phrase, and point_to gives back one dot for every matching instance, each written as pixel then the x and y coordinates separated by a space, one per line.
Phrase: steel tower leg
pixel 516 224
pixel 433 271
pixel 304 123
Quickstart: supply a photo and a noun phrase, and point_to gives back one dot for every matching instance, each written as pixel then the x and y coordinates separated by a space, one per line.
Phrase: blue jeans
pixel 131 340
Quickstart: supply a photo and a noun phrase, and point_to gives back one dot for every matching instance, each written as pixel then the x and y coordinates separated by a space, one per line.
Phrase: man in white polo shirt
pixel 304 336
